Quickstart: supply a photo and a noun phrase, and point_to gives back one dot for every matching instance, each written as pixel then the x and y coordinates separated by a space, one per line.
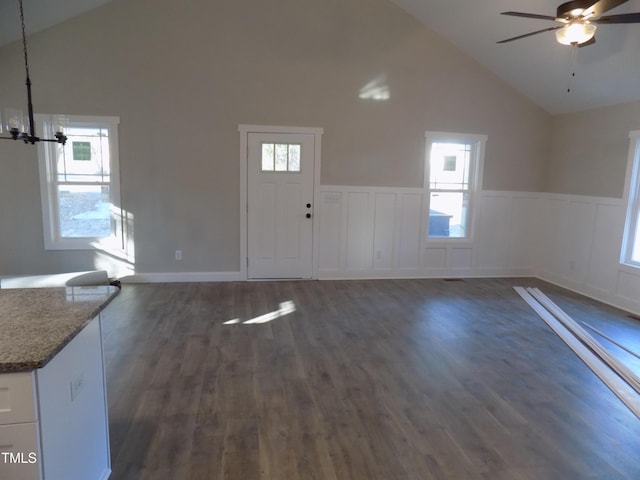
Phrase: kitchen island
pixel 53 410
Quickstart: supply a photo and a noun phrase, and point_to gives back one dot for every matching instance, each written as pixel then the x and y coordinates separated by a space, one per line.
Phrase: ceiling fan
pixel 579 20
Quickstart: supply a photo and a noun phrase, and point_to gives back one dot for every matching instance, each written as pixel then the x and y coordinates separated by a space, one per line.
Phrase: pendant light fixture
pixel 12 121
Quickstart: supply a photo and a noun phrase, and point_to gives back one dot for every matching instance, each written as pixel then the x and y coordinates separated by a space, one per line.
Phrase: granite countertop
pixel 36 323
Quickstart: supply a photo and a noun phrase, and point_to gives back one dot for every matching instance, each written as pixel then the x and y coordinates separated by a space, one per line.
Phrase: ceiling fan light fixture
pixel 576 33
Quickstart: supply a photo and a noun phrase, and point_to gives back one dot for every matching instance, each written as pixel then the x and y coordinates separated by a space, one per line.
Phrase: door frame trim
pixel 245 130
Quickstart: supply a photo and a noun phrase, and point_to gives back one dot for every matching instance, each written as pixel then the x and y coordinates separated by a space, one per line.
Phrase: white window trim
pixel 46 155
pixel 632 201
pixel 475 182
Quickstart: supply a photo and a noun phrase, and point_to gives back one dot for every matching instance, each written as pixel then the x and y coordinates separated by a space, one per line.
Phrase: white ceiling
pixel 607 73
pixel 39 15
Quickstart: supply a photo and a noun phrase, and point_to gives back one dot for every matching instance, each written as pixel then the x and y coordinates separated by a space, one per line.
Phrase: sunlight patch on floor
pixel 285 309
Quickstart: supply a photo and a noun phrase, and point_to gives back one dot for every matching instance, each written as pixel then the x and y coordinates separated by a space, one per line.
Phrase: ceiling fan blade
pixel 602 6
pixel 528 15
pixel 530 34
pixel 623 18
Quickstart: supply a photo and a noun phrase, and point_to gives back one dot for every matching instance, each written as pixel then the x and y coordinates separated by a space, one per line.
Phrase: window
pixel 80 185
pixel 452 174
pixel 631 240
pixel 280 157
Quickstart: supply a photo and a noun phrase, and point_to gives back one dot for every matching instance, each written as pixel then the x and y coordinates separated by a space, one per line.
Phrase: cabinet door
pixel 20 459
pixel 17 398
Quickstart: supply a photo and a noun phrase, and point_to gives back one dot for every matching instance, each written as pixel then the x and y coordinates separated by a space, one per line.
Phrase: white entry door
pixel 280 173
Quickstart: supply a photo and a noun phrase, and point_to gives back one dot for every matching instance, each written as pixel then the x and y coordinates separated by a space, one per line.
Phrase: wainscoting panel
pixel 524 231
pixel 330 235
pixel 435 261
pixel 581 240
pixel 628 288
pixel 384 230
pixel 605 252
pixel 569 234
pixel 493 235
pixel 411 222
pixel 378 232
pixel 359 231
pixel 462 261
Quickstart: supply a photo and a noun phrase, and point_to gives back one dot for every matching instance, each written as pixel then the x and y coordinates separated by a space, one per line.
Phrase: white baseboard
pixel 183 277
pixel 608 298
pixel 368 275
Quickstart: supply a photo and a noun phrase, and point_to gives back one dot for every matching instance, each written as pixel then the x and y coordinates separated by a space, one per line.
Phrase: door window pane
pixel 282 153
pixel 281 157
pixel 267 157
pixel 294 158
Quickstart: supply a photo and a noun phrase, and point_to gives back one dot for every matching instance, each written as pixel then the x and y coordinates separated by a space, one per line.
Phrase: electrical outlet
pixel 178 255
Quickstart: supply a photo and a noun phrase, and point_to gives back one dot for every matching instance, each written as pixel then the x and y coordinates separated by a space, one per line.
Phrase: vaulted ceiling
pixel 39 15
pixel 606 73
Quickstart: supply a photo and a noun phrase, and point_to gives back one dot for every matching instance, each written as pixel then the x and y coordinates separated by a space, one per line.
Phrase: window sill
pixel 448 241
pixel 113 244
pixel 633 268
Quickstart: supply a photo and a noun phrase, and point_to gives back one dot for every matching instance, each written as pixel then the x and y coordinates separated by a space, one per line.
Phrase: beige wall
pixel 182 75
pixel 589 151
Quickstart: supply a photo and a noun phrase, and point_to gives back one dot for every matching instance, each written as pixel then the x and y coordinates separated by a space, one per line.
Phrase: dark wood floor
pixel 365 380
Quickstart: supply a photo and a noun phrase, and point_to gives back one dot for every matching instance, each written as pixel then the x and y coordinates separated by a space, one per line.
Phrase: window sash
pixel 82 209
pixel 51 180
pixel 634 247
pixel 470 156
pixel 449 215
pixel 630 250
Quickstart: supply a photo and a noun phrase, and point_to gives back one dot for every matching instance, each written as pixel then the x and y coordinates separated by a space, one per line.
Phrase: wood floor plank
pixel 363 379
pixel 240 456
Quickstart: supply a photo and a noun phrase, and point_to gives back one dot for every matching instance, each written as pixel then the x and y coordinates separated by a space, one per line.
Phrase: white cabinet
pixel 17 398
pixel 19 429
pixel 58 415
